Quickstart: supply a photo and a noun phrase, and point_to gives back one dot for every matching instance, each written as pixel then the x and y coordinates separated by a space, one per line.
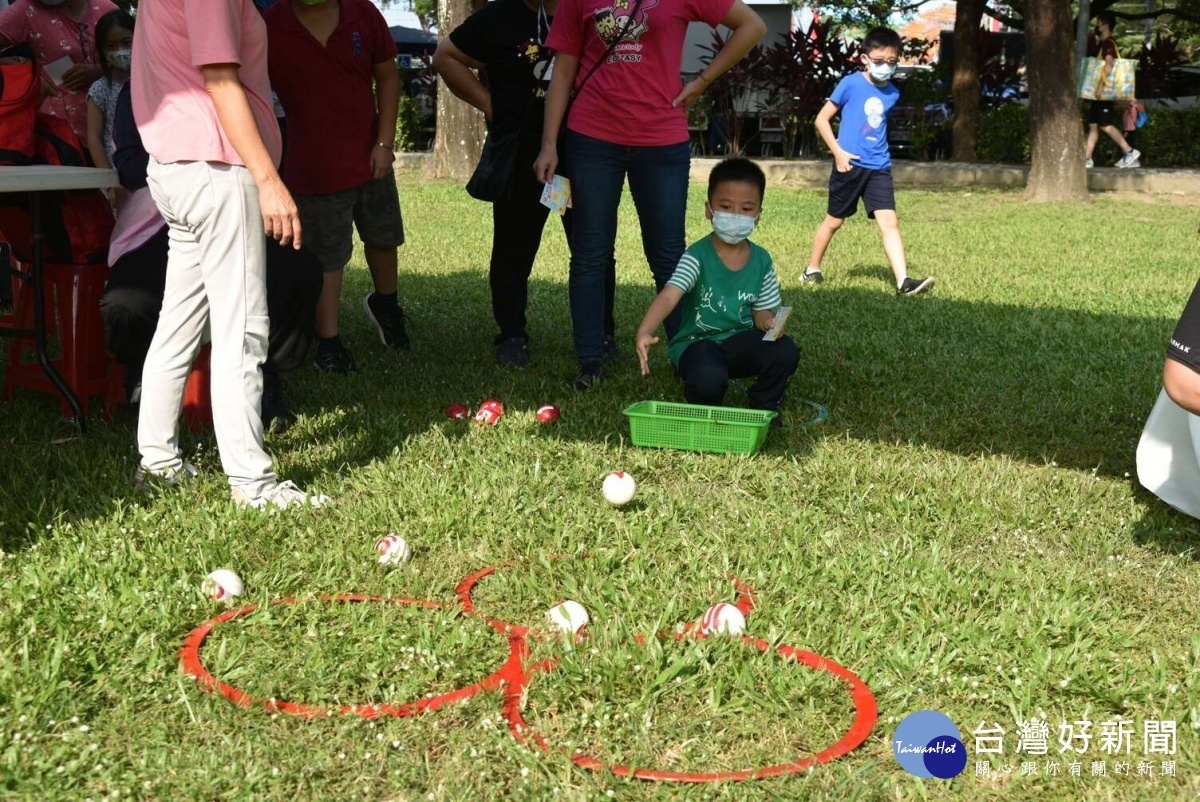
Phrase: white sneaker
pixel 148 481
pixel 1088 164
pixel 281 496
pixel 1130 159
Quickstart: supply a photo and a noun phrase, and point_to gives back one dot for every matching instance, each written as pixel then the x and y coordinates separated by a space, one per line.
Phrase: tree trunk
pixel 966 87
pixel 1055 128
pixel 460 127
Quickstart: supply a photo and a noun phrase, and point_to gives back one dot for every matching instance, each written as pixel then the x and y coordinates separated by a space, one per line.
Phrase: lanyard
pixel 543 24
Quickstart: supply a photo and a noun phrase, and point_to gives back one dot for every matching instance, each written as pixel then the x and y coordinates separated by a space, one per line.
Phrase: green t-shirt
pixel 717 301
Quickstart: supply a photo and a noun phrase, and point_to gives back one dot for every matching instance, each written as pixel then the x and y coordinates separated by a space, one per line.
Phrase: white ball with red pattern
pixel 393 549
pixel 223 585
pixel 619 488
pixel 724 619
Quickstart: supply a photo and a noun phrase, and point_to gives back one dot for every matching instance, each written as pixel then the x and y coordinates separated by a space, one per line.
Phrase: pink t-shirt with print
pixel 174 113
pixel 628 100
pixel 51 34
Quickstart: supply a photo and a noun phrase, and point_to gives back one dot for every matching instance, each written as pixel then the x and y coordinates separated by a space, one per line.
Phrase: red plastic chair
pixel 73 318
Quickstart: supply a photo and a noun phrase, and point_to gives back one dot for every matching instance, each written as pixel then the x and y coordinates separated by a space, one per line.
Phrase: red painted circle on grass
pixel 509 673
pixel 866 711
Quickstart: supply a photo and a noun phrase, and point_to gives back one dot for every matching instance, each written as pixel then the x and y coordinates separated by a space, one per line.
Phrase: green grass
pixel 964 533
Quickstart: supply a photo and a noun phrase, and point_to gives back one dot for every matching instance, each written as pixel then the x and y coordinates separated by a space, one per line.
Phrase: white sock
pixel 810 270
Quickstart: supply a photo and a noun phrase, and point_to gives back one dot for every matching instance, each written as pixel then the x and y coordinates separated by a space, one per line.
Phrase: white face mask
pixel 732 228
pixel 119 59
pixel 882 72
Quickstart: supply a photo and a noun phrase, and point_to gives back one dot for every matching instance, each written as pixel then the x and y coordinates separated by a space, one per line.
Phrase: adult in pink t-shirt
pixel 202 104
pixel 54 31
pixel 629 118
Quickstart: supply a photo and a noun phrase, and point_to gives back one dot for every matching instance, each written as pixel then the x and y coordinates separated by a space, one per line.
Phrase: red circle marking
pixel 510 673
pixel 866 711
pixel 746 598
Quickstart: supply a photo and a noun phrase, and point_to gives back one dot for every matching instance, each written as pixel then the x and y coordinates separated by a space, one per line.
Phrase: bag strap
pixel 637 4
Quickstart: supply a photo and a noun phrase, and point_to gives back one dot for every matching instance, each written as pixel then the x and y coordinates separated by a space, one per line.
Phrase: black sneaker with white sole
pixel 390 322
pixel 915 286
pixel 334 359
pixel 812 277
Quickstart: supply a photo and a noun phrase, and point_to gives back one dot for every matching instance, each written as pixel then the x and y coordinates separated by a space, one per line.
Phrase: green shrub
pixel 408 124
pixel 1004 135
pixel 1171 138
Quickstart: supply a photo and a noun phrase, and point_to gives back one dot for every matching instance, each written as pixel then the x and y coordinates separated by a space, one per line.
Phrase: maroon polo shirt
pixel 328 94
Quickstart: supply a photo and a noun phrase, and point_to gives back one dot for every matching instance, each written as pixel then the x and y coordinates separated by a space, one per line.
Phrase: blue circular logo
pixel 927 744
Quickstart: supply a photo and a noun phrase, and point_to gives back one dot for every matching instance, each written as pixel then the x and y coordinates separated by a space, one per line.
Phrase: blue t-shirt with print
pixel 863 128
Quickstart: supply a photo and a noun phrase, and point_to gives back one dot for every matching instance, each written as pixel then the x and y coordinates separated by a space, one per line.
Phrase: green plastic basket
pixel 689 427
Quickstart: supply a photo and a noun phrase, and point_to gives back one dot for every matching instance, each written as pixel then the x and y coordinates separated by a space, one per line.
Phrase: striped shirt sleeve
pixel 768 297
pixel 686 273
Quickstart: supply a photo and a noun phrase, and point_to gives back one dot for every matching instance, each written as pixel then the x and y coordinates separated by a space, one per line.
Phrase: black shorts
pixel 1102 113
pixel 873 186
pixel 1184 345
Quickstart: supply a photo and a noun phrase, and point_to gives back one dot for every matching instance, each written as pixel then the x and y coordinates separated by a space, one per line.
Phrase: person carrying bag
pixel 507 40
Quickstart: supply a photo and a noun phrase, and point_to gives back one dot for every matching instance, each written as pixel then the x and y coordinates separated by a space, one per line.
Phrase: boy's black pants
pixel 707 366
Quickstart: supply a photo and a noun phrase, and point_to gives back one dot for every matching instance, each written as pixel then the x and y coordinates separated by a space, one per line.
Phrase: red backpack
pixel 20 95
pixel 78 225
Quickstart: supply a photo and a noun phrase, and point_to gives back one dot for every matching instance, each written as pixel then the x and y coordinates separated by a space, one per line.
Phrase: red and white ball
pixel 489 412
pixel 619 488
pixel 458 412
pixel 723 619
pixel 393 549
pixel 547 414
pixel 223 585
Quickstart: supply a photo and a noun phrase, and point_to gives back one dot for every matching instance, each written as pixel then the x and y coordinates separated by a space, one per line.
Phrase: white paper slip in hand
pixel 55 70
pixel 781 318
pixel 556 195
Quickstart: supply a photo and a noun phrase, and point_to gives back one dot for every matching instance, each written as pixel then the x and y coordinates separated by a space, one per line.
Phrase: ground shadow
pixel 1038 384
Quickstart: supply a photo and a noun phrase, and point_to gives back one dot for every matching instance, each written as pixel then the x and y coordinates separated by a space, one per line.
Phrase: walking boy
pixel 729 292
pixel 862 164
pixel 328 61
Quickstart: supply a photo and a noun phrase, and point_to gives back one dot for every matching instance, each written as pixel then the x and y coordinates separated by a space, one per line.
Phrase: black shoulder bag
pixel 493 177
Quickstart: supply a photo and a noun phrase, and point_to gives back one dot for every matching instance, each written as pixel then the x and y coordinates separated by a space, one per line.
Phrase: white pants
pixel 216 277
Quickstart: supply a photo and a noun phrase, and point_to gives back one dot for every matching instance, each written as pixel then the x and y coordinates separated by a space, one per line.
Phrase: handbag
pixel 493 177
pixel 1118 84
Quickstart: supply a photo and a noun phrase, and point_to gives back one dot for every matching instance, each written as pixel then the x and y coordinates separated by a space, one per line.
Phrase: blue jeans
pixel 658 181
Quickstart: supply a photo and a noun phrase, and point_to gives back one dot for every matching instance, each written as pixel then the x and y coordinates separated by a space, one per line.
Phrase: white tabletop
pixel 48 177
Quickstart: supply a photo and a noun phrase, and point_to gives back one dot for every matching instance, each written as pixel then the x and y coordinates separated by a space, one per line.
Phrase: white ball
pixel 393 549
pixel 723 619
pixel 569 616
pixel 619 488
pixel 223 585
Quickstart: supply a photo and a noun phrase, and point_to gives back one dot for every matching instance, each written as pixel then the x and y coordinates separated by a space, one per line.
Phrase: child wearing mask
pixel 729 292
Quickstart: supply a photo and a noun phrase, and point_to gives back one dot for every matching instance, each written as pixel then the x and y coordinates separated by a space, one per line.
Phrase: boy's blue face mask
pixel 733 228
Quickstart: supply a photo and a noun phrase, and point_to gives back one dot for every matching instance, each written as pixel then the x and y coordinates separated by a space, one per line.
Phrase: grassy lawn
pixel 964 533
